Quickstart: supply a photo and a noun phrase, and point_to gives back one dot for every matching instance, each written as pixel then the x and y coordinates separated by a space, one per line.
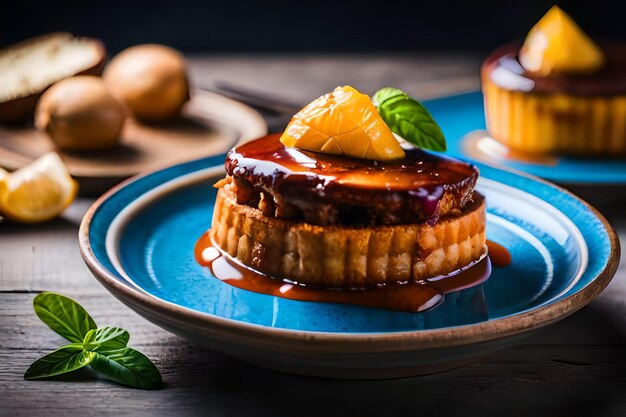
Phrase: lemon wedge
pixel 557 44
pixel 38 191
pixel 343 122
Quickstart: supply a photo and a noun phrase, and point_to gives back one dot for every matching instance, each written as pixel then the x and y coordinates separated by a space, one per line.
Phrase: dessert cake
pixel 349 207
pixel 559 92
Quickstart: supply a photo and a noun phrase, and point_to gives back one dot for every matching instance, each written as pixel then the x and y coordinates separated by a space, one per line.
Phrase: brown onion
pixel 79 113
pixel 150 79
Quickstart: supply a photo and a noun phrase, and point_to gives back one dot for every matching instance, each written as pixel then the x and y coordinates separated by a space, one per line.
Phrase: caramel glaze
pixel 503 69
pixel 410 297
pixel 326 189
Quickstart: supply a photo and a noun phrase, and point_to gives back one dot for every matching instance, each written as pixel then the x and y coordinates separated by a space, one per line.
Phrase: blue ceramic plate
pixel 463 120
pixel 138 240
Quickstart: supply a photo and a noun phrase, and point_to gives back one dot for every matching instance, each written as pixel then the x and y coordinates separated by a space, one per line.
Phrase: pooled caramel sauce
pixel 499 255
pixel 503 68
pixel 411 297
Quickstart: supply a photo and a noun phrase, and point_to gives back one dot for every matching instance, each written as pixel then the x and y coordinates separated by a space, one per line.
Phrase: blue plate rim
pixel 162 310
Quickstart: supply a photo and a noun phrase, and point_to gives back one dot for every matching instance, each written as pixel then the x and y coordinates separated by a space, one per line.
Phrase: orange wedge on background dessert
pixel 343 122
pixel 556 44
pixel 37 192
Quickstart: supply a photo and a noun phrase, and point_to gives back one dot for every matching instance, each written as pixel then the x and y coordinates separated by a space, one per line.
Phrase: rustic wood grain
pixel 573 367
pixel 558 361
pixel 302 78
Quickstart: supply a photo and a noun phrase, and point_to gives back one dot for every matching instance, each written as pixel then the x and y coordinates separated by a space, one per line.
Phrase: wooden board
pixel 210 124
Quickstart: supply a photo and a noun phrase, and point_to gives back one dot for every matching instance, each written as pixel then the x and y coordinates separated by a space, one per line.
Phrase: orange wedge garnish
pixel 344 122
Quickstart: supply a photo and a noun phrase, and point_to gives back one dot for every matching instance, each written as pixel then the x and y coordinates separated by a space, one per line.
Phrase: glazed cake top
pixel 327 189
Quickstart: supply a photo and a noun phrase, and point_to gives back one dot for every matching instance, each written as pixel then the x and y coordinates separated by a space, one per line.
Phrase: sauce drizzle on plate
pixel 407 296
pixel 498 254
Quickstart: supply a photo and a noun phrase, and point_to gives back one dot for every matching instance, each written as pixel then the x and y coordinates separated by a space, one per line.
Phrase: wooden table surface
pixel 575 366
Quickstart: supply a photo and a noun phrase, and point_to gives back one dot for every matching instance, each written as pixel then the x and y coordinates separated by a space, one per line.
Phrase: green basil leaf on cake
pixel 385 94
pixel 409 119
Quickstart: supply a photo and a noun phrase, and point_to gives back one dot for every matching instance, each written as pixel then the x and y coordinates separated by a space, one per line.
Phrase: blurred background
pixel 303 26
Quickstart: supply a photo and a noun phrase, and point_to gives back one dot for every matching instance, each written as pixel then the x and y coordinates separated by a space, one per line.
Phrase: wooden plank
pixel 303 78
pixel 21 328
pixel 42 257
pixel 593 327
pixel 603 322
pixel 542 380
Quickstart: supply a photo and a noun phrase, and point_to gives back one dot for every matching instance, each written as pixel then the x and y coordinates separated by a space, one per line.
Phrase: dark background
pixel 301 26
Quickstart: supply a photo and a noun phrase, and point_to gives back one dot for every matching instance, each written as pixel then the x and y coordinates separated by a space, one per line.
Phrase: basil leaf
pixel 127 366
pixel 66 359
pixel 63 315
pixel 106 338
pixel 409 119
pixel 386 93
pixel 104 349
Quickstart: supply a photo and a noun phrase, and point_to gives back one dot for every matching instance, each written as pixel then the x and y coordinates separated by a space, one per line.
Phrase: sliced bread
pixel 28 68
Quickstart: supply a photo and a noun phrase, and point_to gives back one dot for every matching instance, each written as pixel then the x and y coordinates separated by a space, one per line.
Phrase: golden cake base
pixel 555 123
pixel 336 256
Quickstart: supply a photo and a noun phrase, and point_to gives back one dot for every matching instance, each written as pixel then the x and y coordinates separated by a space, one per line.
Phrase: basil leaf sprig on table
pixel 409 119
pixel 104 349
